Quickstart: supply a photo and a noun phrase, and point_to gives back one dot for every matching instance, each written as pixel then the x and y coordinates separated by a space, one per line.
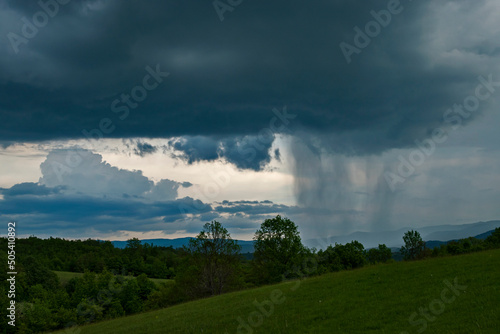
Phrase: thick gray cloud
pixel 80 214
pixel 253 208
pixel 248 152
pixel 30 188
pixel 48 211
pixel 164 190
pixel 196 148
pixel 225 77
pixel 144 149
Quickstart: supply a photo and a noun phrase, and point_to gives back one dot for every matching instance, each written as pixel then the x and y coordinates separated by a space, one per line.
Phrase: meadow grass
pixel 373 299
pixel 65 276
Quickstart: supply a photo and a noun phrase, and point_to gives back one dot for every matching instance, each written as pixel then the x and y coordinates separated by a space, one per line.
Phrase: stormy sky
pixel 150 118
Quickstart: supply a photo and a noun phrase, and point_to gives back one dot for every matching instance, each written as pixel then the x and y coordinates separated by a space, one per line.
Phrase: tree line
pixel 96 255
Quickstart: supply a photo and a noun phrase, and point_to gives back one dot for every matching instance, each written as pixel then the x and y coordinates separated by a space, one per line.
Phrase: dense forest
pixel 116 282
pixel 94 255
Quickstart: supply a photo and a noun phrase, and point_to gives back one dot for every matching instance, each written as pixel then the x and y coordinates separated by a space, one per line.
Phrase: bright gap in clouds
pixel 20 163
pixel 212 181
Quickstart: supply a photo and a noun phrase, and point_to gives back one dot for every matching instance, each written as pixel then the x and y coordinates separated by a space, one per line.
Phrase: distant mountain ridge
pixel 436 243
pixel 395 238
pixel 433 235
pixel 246 246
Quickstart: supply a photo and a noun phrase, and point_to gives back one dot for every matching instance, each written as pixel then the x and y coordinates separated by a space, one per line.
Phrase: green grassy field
pixel 375 299
pixel 65 276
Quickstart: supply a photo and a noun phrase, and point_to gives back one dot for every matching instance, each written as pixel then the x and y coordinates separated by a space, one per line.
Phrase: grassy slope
pixel 376 299
pixel 65 276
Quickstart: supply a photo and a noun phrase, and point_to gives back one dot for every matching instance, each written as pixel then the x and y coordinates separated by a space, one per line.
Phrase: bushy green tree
pixel 278 249
pixel 352 254
pixel 114 310
pixel 64 317
pixel 493 241
pixel 37 273
pixel 329 260
pixel 341 257
pixel 85 287
pixel 146 286
pixel 37 317
pixel 134 245
pixel 379 255
pixel 89 310
pixel 160 298
pixel 129 297
pixel 413 247
pixel 213 261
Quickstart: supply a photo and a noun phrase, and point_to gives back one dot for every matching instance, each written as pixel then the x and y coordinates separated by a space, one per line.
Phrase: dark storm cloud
pixel 252 208
pixel 30 188
pixel 266 208
pixel 196 148
pixel 248 152
pixel 143 149
pixel 85 212
pixel 225 77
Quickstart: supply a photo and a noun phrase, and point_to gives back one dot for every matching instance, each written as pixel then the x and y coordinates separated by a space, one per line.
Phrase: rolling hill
pixel 442 295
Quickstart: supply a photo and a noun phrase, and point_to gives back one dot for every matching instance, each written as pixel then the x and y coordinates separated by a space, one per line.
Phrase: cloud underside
pixel 80 214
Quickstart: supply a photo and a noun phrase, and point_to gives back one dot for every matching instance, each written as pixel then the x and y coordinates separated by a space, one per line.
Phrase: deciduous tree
pixel 413 247
pixel 278 249
pixel 215 259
